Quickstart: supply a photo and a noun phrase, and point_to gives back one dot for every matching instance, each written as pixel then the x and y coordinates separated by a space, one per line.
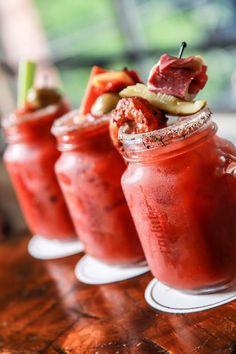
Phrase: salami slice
pixel 179 77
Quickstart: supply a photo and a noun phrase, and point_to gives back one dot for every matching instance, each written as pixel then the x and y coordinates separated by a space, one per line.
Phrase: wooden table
pixel 44 309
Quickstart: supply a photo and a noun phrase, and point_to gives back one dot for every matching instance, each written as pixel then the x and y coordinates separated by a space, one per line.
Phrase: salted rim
pixel 11 119
pixel 181 129
pixel 60 126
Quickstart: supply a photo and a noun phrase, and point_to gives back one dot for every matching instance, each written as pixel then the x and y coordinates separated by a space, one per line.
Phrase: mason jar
pixel 181 190
pixel 30 158
pixel 89 171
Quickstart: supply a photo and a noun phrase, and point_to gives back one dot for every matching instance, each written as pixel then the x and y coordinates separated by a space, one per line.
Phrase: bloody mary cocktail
pixel 30 158
pixel 180 182
pixel 182 196
pixel 89 172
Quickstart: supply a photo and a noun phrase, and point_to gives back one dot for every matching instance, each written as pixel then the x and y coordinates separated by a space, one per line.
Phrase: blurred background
pixel 67 37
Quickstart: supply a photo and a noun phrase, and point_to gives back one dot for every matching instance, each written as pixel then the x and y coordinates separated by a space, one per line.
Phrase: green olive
pixel 105 103
pixel 43 97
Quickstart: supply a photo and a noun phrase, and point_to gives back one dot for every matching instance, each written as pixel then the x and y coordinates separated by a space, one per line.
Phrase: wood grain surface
pixel 44 309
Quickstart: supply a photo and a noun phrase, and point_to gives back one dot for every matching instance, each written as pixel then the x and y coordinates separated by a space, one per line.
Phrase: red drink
pixel 89 171
pixel 181 192
pixel 30 158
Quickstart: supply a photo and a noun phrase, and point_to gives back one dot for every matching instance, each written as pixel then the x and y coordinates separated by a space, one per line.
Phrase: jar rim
pixel 13 120
pixel 74 121
pixel 183 128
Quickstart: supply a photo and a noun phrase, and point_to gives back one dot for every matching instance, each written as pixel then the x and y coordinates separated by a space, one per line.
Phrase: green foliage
pixel 74 84
pixel 78 27
pixel 63 16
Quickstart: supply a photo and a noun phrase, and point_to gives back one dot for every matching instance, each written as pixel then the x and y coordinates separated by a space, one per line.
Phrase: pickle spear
pixel 169 104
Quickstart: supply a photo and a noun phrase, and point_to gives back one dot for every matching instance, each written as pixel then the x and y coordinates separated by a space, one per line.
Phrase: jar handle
pixel 230 165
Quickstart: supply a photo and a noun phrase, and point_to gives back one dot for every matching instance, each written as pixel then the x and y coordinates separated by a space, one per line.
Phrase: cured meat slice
pixel 179 77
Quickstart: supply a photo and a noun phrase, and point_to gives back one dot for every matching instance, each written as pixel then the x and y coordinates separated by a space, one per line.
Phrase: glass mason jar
pixel 89 172
pixel 181 190
pixel 30 158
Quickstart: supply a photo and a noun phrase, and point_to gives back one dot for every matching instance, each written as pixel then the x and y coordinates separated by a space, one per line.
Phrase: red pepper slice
pixel 102 81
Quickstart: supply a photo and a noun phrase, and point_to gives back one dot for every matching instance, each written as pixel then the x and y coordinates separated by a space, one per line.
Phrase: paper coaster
pixel 43 248
pixel 166 299
pixel 91 271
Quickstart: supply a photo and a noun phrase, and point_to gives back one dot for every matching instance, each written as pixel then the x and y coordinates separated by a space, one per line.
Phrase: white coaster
pixel 42 248
pixel 166 299
pixel 92 271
